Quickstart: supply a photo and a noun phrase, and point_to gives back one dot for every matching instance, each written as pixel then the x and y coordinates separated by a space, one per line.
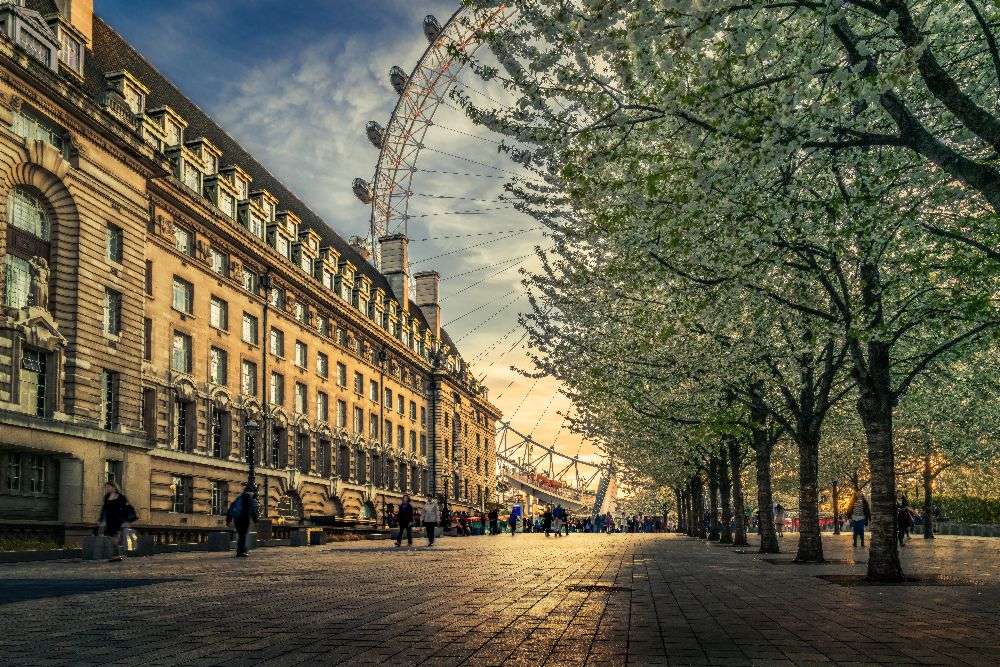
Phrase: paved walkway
pixel 491 601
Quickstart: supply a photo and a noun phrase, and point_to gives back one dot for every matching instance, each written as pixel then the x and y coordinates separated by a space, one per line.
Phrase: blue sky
pixel 294 81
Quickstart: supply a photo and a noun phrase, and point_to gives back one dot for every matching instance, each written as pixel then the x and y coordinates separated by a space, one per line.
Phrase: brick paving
pixel 492 601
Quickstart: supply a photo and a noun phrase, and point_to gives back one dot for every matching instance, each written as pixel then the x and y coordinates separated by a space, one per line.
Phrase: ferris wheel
pixel 418 140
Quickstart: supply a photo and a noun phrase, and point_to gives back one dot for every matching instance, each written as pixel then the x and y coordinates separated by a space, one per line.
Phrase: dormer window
pixel 192 177
pixel 227 204
pixel 71 52
pixel 305 264
pixel 35 47
pixel 327 279
pixel 175 134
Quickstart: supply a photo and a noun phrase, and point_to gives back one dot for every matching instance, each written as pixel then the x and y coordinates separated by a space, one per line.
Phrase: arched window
pixel 28 235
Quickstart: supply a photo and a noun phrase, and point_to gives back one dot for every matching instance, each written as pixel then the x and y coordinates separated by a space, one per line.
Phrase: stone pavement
pixel 594 599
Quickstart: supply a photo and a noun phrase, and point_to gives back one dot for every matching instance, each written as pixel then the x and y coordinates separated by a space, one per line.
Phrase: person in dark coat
pixel 547 520
pixel 404 517
pixel 494 521
pixel 116 515
pixel 242 512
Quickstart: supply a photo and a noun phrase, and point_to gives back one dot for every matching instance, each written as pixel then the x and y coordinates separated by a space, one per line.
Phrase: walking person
pixel 860 515
pixel 431 516
pixel 904 520
pixel 494 521
pixel 116 515
pixel 779 519
pixel 241 513
pixel 404 519
pixel 547 520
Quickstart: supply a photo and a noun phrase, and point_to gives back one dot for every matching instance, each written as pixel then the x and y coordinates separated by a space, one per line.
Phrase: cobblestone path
pixel 594 599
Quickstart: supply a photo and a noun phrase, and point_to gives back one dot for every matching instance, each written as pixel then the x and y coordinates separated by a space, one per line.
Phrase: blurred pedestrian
pixel 404 519
pixel 431 516
pixel 116 515
pixel 241 513
pixel 860 516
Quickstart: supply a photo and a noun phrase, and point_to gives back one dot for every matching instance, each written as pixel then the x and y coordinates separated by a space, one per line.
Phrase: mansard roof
pixel 111 53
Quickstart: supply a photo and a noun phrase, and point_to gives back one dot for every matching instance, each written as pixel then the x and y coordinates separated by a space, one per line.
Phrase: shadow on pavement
pixel 19 590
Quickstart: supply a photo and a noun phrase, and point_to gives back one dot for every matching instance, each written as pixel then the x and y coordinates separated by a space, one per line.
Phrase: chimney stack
pixel 396 266
pixel 428 284
pixel 80 14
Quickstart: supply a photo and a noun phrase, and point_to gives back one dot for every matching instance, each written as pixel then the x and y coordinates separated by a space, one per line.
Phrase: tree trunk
pixel 810 541
pixel 678 497
pixel 692 507
pixel 765 502
pixel 726 535
pixel 875 408
pixel 713 498
pixel 739 509
pixel 762 446
pixel 928 478
pixel 698 493
pixel 836 508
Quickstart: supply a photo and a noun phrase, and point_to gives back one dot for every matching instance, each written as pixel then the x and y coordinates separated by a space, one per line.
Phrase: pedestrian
pixel 494 521
pixel 903 520
pixel 512 522
pixel 547 520
pixel 116 515
pixel 431 516
pixel 404 519
pixel 241 513
pixel 779 519
pixel 860 515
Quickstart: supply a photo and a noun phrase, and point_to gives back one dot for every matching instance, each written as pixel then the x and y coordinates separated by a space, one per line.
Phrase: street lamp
pixel 252 428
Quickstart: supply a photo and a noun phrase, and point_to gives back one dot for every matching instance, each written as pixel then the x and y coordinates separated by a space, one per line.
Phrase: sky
pixel 295 81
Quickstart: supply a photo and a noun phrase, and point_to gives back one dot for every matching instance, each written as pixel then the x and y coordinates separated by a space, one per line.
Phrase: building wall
pixel 105 174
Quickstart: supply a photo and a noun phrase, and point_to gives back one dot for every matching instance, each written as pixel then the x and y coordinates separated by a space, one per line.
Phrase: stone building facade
pixel 169 307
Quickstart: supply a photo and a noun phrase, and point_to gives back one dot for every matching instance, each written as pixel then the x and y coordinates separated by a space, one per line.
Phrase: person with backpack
pixel 404 518
pixel 116 515
pixel 244 510
pixel 494 521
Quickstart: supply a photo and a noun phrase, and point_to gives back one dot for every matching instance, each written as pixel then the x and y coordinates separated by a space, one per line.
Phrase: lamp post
pixel 265 285
pixel 252 428
pixel 836 509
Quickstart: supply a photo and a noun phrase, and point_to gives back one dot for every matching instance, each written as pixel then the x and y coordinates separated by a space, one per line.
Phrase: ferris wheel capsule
pixel 375 132
pixel 398 79
pixel 362 190
pixel 432 28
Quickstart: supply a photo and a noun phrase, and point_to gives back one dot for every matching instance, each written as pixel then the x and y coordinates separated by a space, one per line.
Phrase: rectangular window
pixel 373 390
pixel 359 420
pixel 359 383
pixel 219 262
pixel 400 437
pixel 220 498
pixel 323 325
pixel 277 343
pixel 277 297
pixel 149 413
pixel 423 416
pixel 183 295
pixel 218 314
pixel 248 378
pixel 116 242
pixel 322 365
pixel 183 240
pixel 388 399
pixel 149 278
pixel 114 471
pixel 413 411
pixel 413 441
pixel 341 375
pixel 109 400
pixel 301 354
pixel 373 426
pixel 218 436
pixel 423 445
pixel 183 494
pixel 400 405
pixel 322 407
pixel 250 329
pixel 112 312
pixel 306 264
pixel 301 312
pixel 301 398
pixel 147 339
pixel 342 414
pixel 32 126
pixel 180 353
pixel 249 281
pixel 17 279
pixel 277 388
pixel 218 366
pixel 192 177
pixel 14 472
